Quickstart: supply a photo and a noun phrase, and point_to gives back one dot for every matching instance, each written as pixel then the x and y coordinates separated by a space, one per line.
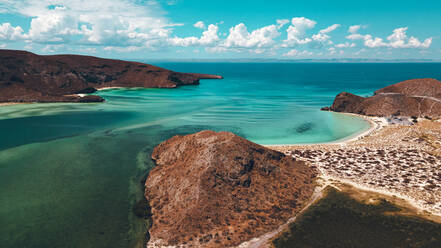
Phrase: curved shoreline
pixel 375 123
pixel 108 88
pixel 375 138
pixel 384 137
pixel 11 103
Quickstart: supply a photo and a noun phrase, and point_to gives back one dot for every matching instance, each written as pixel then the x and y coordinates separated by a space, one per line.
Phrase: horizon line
pixel 275 60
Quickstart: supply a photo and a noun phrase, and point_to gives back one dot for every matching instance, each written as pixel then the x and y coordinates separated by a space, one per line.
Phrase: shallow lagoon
pixel 70 173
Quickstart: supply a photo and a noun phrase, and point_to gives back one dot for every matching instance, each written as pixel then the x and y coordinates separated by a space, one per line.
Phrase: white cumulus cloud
pixel 239 37
pixel 398 39
pixel 329 29
pixel 322 37
pixel 296 53
pixel 282 22
pixel 100 22
pixel 297 30
pixel 374 42
pixel 132 25
pixel 345 45
pixel 354 29
pixel 199 24
pixel 10 33
pixel 209 37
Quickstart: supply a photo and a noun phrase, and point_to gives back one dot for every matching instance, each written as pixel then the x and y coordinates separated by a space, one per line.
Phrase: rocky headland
pixel 28 77
pixel 218 190
pixel 417 97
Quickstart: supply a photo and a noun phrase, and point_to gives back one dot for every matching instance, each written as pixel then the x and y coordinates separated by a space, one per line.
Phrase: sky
pixel 225 29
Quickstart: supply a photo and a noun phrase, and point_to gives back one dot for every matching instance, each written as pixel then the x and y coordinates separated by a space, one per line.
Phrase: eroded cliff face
pixel 217 190
pixel 417 97
pixel 27 77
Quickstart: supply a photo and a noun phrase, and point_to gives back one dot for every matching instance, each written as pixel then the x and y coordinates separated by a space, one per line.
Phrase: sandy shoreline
pixel 108 88
pixel 13 103
pixel 409 201
pixel 79 95
pixel 397 162
pixel 390 159
pixel 375 123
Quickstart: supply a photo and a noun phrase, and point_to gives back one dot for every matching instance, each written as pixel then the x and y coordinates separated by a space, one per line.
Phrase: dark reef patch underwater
pixel 337 220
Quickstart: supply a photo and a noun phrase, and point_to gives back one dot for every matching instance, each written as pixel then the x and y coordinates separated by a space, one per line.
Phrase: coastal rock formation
pixel 27 77
pixel 346 102
pixel 217 190
pixel 418 97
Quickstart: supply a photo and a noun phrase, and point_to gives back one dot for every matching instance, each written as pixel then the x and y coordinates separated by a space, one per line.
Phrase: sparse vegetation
pixel 338 220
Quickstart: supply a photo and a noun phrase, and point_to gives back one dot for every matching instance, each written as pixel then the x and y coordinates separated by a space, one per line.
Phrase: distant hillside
pixel 417 97
pixel 27 77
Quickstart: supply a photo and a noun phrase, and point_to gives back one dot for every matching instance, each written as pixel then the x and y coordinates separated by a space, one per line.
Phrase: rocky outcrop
pixel 418 97
pixel 346 102
pixel 217 190
pixel 27 77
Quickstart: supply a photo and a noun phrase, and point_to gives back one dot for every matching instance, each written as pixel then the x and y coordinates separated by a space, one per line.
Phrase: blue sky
pixel 193 29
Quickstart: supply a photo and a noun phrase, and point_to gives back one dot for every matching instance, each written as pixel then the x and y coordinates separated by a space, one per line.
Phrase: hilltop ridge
pixel 416 97
pixel 28 77
pixel 214 189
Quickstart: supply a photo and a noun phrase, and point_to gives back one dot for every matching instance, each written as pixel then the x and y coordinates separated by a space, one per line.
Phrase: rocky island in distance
pixel 28 77
pixel 416 97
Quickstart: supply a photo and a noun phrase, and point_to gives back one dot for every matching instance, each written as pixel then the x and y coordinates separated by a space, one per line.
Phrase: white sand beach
pixel 10 103
pixel 390 159
pixel 397 162
pixel 108 88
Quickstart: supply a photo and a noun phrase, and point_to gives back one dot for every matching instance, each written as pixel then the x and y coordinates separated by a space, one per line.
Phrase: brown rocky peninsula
pixel 218 190
pixel 27 77
pixel 417 97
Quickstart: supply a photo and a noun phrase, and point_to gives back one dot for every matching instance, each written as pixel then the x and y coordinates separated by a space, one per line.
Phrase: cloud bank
pixel 128 25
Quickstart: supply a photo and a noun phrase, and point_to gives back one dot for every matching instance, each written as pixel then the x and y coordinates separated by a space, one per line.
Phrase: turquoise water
pixel 70 173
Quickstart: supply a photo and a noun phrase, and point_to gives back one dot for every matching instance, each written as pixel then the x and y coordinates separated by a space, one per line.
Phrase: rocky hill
pixel 417 97
pixel 217 190
pixel 27 77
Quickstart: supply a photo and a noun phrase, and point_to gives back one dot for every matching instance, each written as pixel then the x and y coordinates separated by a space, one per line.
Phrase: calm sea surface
pixel 70 173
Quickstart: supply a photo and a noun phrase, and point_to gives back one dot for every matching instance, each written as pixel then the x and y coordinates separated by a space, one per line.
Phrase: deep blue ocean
pixel 71 173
